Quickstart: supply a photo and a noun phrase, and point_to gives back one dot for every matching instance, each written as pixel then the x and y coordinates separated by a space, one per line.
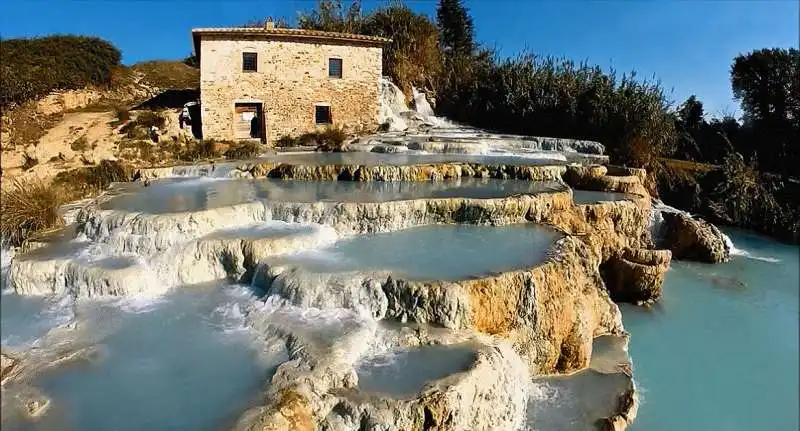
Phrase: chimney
pixel 269 25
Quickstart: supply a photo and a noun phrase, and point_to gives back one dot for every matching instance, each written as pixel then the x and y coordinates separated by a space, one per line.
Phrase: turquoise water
pixel 182 362
pixel 179 195
pixel 720 352
pixel 437 252
pixel 405 373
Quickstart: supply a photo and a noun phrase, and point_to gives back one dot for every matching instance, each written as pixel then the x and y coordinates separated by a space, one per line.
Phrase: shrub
pixel 148 119
pixel 244 150
pixel 142 149
pixel 28 161
pixel 286 141
pixel 31 68
pixel 140 127
pixel 330 139
pixel 28 206
pixel 121 115
pixel 198 150
pixel 80 144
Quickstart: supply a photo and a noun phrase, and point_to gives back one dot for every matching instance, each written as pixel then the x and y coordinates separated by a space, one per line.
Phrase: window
pixel 249 61
pixel 334 67
pixel 322 114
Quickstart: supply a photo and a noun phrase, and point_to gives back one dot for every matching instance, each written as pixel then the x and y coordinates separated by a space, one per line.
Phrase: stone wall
pixel 292 77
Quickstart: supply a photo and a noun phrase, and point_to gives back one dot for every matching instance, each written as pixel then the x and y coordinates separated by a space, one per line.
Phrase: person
pixel 154 134
pixel 185 118
pixel 255 127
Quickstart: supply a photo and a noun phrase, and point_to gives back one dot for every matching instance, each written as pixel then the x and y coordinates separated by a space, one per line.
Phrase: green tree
pixel 691 113
pixel 766 83
pixel 455 27
pixel 413 57
pixel 331 15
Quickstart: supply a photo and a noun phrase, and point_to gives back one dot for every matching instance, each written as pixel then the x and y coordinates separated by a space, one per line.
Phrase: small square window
pixel 322 114
pixel 335 67
pixel 249 61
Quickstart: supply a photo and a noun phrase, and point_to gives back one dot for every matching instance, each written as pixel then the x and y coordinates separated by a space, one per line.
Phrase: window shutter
pixel 335 67
pixel 249 61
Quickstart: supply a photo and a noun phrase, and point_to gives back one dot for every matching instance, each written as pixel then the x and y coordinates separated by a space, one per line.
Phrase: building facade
pixel 266 83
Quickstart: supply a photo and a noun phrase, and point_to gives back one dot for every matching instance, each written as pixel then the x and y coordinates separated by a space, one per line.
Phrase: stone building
pixel 265 83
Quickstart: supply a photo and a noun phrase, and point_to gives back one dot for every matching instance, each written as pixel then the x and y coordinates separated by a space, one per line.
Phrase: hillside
pixel 53 121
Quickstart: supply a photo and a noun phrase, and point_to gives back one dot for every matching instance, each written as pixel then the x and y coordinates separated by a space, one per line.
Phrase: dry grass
pixel 168 74
pixel 29 206
pixel 90 180
pixel 688 165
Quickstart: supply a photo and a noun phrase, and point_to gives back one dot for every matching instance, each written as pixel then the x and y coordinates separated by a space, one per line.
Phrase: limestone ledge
pixel 607 179
pixel 550 313
pixel 218 256
pixel 146 234
pixel 421 172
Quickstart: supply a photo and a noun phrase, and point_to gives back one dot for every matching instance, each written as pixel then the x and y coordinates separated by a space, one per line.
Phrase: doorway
pixel 249 121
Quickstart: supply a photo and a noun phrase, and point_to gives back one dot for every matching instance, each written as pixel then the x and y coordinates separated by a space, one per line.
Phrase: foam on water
pixel 25 320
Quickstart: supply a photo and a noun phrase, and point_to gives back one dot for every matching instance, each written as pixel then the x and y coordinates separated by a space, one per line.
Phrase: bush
pixel 32 68
pixel 140 127
pixel 28 161
pixel 121 115
pixel 142 149
pixel 28 206
pixel 148 119
pixel 286 141
pixel 80 144
pixel 246 150
pixel 550 97
pixel 198 150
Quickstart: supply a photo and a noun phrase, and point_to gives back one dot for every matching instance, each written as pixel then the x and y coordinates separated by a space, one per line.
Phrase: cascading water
pixel 112 286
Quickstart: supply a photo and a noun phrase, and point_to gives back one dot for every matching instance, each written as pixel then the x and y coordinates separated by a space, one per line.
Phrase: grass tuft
pixel 90 180
pixel 29 206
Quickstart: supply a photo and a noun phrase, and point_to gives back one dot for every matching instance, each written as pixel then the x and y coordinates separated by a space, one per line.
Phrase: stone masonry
pixel 291 79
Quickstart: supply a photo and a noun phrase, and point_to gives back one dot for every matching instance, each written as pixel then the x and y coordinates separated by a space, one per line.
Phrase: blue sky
pixel 688 45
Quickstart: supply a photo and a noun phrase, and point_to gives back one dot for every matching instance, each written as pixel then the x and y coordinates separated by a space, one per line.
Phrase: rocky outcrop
pixel 489 393
pixel 8 363
pixel 599 178
pixel 693 239
pixel 637 275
